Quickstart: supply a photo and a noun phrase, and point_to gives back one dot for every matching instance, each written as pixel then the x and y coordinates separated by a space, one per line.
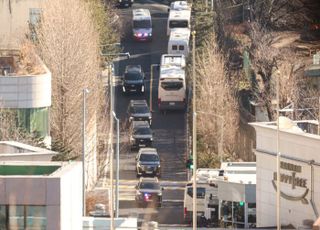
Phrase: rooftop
pixel 17 148
pixel 307 128
pixel 22 62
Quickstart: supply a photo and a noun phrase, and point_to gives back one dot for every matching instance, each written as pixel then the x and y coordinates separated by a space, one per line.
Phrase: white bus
pixel 178 19
pixel 179 41
pixel 172 83
pixel 179 5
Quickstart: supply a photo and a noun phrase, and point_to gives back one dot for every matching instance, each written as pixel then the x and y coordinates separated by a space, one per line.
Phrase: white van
pixel 141 25
pixel 172 83
pixel 178 19
pixel 180 5
pixel 179 41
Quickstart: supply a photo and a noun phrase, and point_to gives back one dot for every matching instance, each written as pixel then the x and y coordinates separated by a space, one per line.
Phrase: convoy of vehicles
pixel 142 25
pixel 171 94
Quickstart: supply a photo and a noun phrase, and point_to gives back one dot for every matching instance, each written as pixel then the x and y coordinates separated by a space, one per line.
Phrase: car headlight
pixel 130 118
pixel 151 139
pixel 150 34
pixel 150 118
pixel 131 139
pixel 160 194
pixel 138 192
pixel 120 0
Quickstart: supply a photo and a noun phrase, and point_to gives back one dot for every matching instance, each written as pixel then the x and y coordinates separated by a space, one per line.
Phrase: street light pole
pixel 85 92
pixel 194 134
pixel 151 85
pixel 278 157
pixel 118 165
pixel 111 153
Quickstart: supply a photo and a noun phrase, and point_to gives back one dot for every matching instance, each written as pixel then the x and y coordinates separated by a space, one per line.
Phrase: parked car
pixel 133 79
pixel 140 134
pixel 138 110
pixel 149 192
pixel 148 162
pixel 124 3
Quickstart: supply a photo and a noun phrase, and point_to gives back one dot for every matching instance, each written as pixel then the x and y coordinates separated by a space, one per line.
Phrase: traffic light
pixel 241 203
pixel 189 163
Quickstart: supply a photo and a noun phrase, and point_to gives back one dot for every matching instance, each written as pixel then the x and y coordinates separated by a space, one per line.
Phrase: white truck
pixel 207 196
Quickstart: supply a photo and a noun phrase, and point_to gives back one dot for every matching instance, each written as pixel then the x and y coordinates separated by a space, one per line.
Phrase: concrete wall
pixel 295 149
pixel 25 91
pixel 14 19
pixel 27 157
pixel 60 192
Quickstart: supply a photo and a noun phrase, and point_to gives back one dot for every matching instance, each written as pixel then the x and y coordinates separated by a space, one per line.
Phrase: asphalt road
pixel 169 130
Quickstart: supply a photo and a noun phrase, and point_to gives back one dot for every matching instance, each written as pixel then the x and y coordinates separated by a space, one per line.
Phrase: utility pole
pixel 118 165
pixel 111 201
pixel 278 157
pixel 194 134
pixel 85 92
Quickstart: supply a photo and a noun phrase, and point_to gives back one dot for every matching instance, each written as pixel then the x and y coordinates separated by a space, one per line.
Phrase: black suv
pixel 133 79
pixel 148 162
pixel 140 134
pixel 149 192
pixel 139 111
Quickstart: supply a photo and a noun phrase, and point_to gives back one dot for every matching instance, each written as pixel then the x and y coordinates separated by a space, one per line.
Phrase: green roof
pixel 34 170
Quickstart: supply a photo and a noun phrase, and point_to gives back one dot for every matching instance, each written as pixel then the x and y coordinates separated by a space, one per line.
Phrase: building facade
pixel 299 146
pixel 41 195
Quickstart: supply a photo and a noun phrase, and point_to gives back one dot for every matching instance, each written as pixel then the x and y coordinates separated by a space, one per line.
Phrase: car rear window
pixel 142 131
pixel 149 157
pixel 132 76
pixel 149 185
pixel 141 24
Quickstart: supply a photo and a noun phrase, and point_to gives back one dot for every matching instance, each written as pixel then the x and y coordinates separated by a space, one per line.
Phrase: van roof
pixel 141 14
pixel 180 15
pixel 180 5
pixel 178 34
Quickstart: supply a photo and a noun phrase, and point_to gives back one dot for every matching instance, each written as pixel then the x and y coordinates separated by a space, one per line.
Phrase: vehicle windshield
pixel 132 76
pixel 142 131
pixel 178 24
pixel 149 157
pixel 149 185
pixel 139 109
pixel 201 192
pixel 142 24
pixel 172 85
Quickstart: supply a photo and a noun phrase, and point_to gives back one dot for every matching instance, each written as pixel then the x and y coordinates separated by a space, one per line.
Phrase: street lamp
pixel 151 84
pixel 85 92
pixel 194 134
pixel 278 155
pixel 118 165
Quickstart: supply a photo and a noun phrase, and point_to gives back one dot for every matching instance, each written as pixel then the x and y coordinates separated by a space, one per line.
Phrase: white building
pixel 41 195
pixel 299 146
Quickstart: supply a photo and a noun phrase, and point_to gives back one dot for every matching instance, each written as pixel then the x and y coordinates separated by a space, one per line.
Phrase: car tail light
pixel 146 196
pixel 185 212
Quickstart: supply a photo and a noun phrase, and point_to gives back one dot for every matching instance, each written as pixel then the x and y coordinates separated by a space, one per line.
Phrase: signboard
pixel 292 178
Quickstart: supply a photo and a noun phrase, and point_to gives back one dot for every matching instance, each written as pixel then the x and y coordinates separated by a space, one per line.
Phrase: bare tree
pixel 68 42
pixel 218 118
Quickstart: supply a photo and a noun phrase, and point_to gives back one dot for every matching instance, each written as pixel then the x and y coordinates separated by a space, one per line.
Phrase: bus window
pixel 171 85
pixel 178 24
pixel 181 47
pixel 201 192
pixel 174 47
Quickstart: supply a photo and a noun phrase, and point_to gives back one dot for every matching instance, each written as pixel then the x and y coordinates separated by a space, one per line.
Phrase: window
pixel 141 24
pixel 3 217
pixel 21 217
pixel 181 47
pixel 178 24
pixel 201 192
pixel 174 47
pixel 172 85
